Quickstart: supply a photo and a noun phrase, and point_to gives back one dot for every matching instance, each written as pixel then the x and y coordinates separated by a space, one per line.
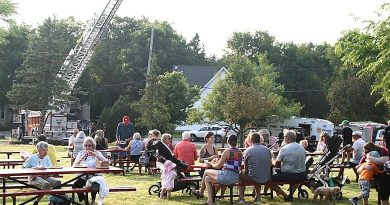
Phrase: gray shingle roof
pixel 197 75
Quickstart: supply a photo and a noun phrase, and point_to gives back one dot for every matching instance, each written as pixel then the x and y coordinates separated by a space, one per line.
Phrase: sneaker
pixel 241 201
pixel 353 200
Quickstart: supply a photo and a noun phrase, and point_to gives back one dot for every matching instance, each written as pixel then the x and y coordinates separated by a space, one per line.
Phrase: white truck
pixel 309 126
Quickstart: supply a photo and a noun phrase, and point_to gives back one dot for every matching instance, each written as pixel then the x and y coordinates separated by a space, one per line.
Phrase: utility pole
pixel 150 57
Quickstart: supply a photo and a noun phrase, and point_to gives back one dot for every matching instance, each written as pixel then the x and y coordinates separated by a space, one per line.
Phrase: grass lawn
pixel 142 183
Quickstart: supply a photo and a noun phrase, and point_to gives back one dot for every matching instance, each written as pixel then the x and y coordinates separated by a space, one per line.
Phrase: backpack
pixel 55 200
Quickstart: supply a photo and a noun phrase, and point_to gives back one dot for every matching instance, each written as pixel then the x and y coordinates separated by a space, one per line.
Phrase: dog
pixel 327 192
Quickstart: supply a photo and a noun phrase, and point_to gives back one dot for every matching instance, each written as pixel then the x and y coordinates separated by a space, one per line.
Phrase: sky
pixel 298 21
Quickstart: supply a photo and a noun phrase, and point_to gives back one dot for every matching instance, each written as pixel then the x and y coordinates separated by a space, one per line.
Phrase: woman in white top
pixel 321 145
pixel 87 157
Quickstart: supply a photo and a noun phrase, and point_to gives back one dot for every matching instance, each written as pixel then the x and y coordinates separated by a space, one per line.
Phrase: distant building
pixel 202 76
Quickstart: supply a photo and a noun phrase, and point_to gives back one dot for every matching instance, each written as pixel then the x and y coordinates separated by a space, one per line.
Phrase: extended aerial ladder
pixel 78 58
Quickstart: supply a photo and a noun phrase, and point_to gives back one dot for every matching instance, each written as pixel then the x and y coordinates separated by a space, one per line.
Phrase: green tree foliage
pixel 7 8
pixel 35 82
pixel 165 102
pixel 11 57
pixel 248 94
pixel 369 50
pixel 111 116
pixel 350 98
pixel 304 69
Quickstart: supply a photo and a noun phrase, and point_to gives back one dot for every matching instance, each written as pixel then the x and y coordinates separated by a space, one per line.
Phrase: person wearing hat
pixel 357 154
pixel 346 133
pixel 124 133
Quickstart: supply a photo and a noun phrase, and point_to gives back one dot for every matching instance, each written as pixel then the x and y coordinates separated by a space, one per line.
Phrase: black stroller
pixel 320 174
pixel 162 152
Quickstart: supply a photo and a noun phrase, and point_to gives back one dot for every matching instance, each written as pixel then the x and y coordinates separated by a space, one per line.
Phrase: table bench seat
pixel 240 184
pixel 60 192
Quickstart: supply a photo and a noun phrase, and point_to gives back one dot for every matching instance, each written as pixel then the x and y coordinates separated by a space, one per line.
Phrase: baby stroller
pixel 162 152
pixel 320 174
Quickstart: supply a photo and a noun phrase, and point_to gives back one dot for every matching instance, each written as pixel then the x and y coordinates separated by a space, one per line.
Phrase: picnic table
pixel 11 162
pixel 9 153
pixel 14 174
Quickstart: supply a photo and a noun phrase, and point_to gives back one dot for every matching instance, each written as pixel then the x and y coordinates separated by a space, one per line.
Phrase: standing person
pixel 168 179
pixel 71 142
pixel 101 141
pixel 230 163
pixel 346 133
pixel 89 156
pixel 40 160
pixel 384 183
pixel 291 161
pixel 186 151
pixel 124 133
pixel 208 151
pixel 51 151
pixel 386 136
pixel 366 171
pixel 357 154
pixel 257 167
pixel 78 144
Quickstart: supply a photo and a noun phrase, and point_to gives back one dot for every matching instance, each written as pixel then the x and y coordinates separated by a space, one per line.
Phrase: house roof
pixel 197 75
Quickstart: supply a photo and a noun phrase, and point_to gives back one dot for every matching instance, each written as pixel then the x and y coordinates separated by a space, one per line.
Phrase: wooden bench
pixel 73 191
pixel 240 184
pixel 122 162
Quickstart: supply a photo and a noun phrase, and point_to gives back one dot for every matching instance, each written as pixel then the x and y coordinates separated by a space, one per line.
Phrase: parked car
pixel 198 135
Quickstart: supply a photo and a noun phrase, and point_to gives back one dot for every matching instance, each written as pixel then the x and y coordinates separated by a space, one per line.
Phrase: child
pixel 168 179
pixel 366 171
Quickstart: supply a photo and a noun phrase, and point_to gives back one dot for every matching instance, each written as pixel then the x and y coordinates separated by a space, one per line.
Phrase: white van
pixel 309 126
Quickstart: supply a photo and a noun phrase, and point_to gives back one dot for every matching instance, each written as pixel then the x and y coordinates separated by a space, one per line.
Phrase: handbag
pixel 144 159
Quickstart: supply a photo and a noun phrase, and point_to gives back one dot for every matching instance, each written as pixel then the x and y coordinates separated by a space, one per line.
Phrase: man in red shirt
pixel 186 150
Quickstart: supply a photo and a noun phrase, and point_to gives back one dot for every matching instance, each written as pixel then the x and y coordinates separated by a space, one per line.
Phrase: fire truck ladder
pixel 78 57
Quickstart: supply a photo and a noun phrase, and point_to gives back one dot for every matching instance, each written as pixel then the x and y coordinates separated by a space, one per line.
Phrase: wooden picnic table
pixel 13 174
pixel 11 162
pixel 9 153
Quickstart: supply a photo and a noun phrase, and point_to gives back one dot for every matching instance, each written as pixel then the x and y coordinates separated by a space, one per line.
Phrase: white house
pixel 202 76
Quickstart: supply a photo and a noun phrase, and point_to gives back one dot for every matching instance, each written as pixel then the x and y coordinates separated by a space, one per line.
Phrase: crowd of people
pixel 257 164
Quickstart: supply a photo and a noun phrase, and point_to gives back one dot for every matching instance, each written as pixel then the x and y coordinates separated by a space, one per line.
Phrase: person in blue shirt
pixel 124 133
pixel 40 161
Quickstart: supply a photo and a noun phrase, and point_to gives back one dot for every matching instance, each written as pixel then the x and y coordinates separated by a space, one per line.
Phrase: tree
pixel 165 102
pixel 247 95
pixel 35 82
pixel 369 50
pixel 7 8
pixel 11 57
pixel 349 98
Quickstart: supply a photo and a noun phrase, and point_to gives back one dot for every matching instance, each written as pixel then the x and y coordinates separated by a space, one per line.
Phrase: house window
pixel 2 112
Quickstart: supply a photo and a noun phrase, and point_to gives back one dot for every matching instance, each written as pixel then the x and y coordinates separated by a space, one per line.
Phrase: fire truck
pixel 57 124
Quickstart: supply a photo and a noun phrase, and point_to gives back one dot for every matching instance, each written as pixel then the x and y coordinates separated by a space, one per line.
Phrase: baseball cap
pixel 264 132
pixel 345 122
pixel 374 154
pixel 357 133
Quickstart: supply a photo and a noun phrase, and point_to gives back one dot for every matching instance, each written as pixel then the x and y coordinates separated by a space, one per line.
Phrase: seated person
pixel 136 146
pixel 51 150
pixel 186 151
pixel 291 161
pixel 88 157
pixel 208 151
pixel 357 154
pixel 230 163
pixel 304 144
pixel 40 160
pixel 256 159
